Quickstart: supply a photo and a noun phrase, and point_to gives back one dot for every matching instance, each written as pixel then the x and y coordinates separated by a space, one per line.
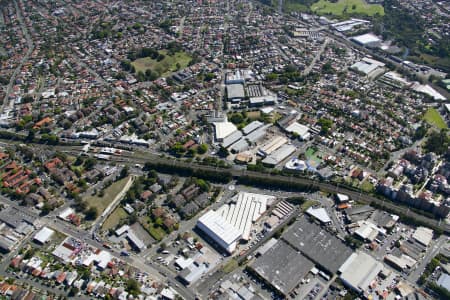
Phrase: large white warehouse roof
pixel 219 230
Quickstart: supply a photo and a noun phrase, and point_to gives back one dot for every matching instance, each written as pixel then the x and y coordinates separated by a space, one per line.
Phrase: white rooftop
pixel 366 38
pixel 423 235
pixel 359 270
pixel 224 129
pixel 44 235
pixel 427 89
pixel 299 129
pixel 220 227
pixel 319 213
pixel 245 209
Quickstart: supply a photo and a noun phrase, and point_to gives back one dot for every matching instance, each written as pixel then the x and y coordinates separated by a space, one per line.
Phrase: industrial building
pixel 367 40
pixel 258 134
pixel 319 214
pixel 43 235
pixel 272 145
pixel 301 130
pixel 369 67
pixel 282 267
pixel 367 231
pixel 317 244
pixel 219 230
pixel 231 138
pixel 233 221
pixel 423 236
pixel 359 271
pixel 252 127
pixel 279 155
pixel 237 77
pixel 243 210
pixel 235 92
pixel 239 146
pixel 223 129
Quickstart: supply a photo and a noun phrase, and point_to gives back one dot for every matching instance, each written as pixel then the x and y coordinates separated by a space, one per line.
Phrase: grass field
pixel 347 7
pixel 311 156
pixel 308 204
pixel 156 232
pixel 433 117
pixel 110 193
pixel 230 266
pixel 437 62
pixel 292 6
pixel 367 186
pixel 113 219
pixel 254 115
pixel 165 66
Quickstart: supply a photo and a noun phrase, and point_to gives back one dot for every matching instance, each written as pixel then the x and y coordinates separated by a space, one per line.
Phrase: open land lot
pixel 433 117
pixel 110 193
pixel 113 219
pixel 165 66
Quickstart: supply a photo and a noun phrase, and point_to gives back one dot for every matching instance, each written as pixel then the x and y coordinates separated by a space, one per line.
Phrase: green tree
pixel 91 213
pixel 202 149
pixel 223 152
pixel 325 125
pixel 132 287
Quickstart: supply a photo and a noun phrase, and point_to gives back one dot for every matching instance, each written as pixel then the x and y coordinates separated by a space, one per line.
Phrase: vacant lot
pixel 113 219
pixel 110 193
pixel 347 7
pixel 433 117
pixel 169 64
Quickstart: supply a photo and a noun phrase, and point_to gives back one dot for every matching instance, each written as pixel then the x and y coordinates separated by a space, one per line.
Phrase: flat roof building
pixel 279 155
pixel 359 271
pixel 301 130
pixel 368 39
pixel 219 230
pixel 223 129
pixel 43 235
pixel 319 214
pixel 282 267
pixel 317 244
pixel 423 235
pixel 235 92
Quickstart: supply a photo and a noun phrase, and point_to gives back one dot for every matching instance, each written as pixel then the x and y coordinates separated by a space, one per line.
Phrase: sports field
pixel 347 7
